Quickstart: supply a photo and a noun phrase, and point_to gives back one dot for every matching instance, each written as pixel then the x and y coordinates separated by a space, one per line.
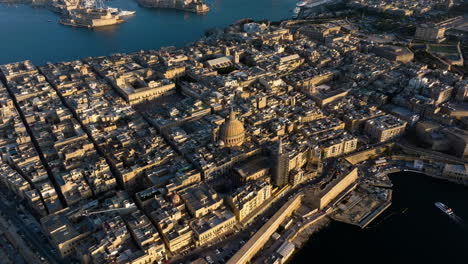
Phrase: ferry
pixel 444 208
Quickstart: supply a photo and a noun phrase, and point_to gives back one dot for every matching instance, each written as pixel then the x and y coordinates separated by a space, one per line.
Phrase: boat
pixel 444 208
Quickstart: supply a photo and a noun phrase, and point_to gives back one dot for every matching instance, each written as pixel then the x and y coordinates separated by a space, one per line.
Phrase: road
pixel 26 230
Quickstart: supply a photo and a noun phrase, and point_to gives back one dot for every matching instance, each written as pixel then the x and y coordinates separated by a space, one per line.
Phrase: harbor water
pixel 35 34
pixel 412 230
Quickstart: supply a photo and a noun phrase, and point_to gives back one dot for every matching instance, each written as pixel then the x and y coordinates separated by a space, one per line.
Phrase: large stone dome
pixel 232 132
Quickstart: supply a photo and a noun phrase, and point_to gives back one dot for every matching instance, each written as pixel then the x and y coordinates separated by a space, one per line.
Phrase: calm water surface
pixel 26 33
pixel 413 230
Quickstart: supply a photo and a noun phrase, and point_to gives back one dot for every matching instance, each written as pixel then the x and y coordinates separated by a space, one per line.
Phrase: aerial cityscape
pixel 258 140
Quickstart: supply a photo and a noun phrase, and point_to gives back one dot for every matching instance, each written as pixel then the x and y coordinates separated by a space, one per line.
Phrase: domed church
pixel 232 131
